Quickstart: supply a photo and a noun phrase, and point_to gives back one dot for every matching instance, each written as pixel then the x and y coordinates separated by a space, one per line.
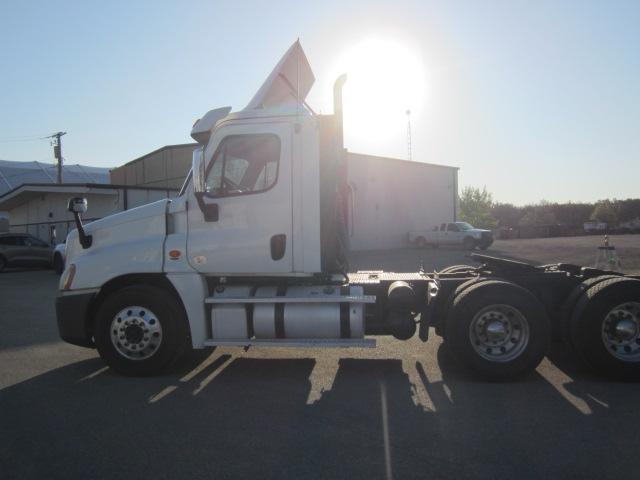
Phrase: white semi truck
pixel 252 252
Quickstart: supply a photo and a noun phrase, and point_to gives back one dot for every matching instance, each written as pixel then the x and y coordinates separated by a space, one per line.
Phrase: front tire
pixel 58 264
pixel 497 330
pixel 141 330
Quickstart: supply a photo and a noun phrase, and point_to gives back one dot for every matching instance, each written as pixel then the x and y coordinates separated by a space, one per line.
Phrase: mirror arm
pixel 85 240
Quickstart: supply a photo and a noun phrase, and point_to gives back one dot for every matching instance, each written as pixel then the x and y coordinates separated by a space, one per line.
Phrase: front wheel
pixel 58 264
pixel 140 330
pixel 497 330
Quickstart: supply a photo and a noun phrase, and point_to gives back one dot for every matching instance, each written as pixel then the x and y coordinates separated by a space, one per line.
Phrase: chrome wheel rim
pixel 621 331
pixel 499 333
pixel 136 333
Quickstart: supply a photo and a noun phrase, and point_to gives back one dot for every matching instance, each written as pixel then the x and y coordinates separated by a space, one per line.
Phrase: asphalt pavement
pixel 402 410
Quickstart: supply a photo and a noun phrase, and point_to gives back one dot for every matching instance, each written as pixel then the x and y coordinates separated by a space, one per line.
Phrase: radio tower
pixel 408 112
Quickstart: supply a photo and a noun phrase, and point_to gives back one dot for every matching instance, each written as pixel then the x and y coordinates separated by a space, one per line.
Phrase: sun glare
pixel 384 80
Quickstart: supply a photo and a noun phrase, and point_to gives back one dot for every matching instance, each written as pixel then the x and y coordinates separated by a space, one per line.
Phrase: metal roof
pixel 14 174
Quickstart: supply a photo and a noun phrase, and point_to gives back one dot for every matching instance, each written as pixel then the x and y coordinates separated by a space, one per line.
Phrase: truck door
pixel 454 235
pixel 442 234
pixel 248 178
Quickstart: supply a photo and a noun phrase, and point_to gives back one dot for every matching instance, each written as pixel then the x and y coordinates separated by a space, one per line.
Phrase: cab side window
pixel 452 227
pixel 243 164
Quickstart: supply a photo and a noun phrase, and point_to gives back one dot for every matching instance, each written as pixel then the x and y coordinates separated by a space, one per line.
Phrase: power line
pixel 26 139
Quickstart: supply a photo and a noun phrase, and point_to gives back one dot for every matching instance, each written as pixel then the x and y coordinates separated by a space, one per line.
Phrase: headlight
pixel 67 277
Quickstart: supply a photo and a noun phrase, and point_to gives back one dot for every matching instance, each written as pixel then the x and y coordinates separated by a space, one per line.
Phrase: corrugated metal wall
pixel 166 167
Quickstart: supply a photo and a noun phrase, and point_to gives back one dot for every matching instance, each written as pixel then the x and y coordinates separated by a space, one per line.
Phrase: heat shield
pixel 288 83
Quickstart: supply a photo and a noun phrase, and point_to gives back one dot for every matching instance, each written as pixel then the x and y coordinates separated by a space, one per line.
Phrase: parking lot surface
pixel 403 410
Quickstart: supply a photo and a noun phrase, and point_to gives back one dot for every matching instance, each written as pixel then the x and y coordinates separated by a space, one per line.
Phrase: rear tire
pixel 141 330
pixel 605 328
pixel 497 330
pixel 569 305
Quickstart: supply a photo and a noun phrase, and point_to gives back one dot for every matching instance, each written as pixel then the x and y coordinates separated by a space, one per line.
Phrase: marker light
pixel 67 277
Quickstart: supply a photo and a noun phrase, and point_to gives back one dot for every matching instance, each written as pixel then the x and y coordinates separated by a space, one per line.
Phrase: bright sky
pixel 534 99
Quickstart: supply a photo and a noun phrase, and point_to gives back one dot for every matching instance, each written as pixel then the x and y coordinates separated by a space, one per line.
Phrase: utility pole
pixel 57 151
pixel 408 112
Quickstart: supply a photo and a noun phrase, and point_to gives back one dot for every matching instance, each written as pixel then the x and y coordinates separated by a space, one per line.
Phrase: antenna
pixel 408 112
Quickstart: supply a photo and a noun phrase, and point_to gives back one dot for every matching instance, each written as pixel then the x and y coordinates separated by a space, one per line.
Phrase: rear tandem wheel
pixel 605 328
pixel 497 329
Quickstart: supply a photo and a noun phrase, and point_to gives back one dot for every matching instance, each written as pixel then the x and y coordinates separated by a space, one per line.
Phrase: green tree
pixel 605 211
pixel 475 207
pixel 539 214
pixel 628 209
pixel 506 214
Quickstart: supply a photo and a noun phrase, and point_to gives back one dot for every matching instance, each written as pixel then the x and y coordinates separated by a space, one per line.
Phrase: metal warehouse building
pixel 31 201
pixel 390 196
pixel 393 197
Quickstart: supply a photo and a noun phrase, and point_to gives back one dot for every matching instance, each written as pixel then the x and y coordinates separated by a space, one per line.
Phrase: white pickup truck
pixel 453 233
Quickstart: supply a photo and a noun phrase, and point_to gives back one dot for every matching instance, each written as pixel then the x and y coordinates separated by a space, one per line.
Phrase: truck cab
pixel 261 218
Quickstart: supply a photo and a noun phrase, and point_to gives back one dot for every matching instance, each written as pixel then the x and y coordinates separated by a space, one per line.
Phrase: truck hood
pixel 146 221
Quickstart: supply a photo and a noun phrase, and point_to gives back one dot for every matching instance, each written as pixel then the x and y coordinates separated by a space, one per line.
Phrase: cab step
pixel 295 342
pixel 292 299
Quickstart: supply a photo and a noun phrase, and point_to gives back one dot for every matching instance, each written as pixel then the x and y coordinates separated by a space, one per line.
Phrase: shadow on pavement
pixel 219 416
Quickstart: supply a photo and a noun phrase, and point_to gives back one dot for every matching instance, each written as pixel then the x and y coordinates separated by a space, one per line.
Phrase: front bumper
pixel 71 313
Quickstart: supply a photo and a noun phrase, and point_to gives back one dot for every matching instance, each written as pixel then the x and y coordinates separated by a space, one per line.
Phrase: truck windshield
pixel 464 226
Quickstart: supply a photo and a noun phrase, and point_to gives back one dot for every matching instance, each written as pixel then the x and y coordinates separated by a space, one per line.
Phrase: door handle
pixel 278 246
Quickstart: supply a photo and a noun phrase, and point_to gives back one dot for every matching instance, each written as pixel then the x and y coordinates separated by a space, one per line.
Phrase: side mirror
pixel 209 210
pixel 77 205
pixel 197 170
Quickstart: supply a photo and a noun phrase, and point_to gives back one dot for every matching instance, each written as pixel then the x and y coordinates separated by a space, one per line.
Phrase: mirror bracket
pixel 76 206
pixel 209 210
